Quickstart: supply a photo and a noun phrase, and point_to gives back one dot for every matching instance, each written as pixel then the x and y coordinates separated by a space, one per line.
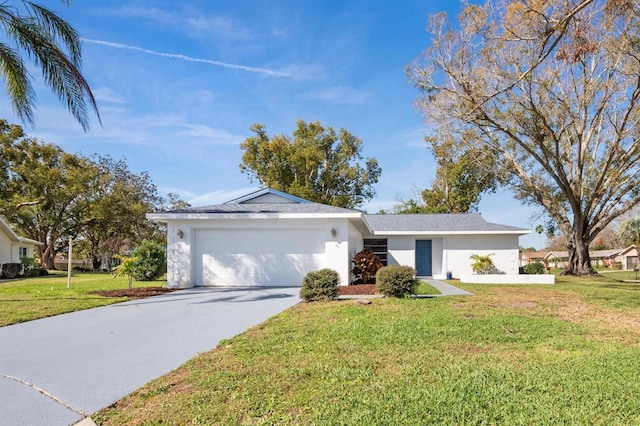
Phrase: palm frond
pixel 17 83
pixel 55 48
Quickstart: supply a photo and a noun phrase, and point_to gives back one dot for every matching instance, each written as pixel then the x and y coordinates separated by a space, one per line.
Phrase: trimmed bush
pixel 11 270
pixel 365 267
pixel 151 261
pixel 396 281
pixel 535 268
pixel 320 285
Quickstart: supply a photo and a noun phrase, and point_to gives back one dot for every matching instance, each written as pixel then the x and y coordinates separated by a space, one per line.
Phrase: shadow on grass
pixel 622 286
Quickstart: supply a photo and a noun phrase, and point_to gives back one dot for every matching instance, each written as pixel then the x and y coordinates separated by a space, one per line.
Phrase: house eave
pixel 29 241
pixel 164 217
pixel 449 233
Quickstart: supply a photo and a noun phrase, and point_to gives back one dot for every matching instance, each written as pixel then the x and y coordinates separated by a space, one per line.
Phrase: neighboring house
pixel 557 259
pixel 61 262
pixel 270 238
pixel 604 258
pixel 14 247
pixel 627 258
pixel 527 257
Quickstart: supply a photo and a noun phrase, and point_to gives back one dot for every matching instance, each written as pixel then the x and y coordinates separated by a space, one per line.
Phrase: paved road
pixel 55 370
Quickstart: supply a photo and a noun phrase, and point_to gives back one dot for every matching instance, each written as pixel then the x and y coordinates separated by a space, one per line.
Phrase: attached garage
pixel 257 257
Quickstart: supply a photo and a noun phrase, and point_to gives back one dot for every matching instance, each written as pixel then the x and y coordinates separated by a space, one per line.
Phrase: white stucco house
pixel 13 247
pixel 270 238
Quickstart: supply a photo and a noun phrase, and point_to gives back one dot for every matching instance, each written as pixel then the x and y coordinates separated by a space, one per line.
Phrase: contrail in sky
pixel 189 58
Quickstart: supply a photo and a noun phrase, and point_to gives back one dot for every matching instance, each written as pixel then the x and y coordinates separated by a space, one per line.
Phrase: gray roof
pixel 270 208
pixel 458 222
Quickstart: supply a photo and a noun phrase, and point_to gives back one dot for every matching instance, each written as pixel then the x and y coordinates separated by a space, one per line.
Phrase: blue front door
pixel 423 258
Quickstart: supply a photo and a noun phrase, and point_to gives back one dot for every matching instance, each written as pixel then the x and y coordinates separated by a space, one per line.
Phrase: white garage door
pixel 257 257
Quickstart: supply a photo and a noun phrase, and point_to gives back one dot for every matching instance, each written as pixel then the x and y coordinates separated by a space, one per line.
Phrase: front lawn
pixel 562 354
pixel 32 298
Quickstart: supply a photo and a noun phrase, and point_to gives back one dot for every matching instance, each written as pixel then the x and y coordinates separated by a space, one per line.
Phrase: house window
pixel 378 247
pixel 22 252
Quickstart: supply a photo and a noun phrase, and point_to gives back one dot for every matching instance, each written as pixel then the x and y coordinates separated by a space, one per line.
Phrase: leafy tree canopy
pixel 316 163
pixel 551 90
pixel 463 174
pixel 50 195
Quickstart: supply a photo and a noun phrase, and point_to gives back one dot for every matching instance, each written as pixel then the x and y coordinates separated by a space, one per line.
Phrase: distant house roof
pixel 605 253
pixel 594 254
pixel 533 254
pixel 461 223
pixel 628 249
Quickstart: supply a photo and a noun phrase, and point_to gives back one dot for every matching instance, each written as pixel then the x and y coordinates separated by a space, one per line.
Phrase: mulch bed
pixel 357 289
pixel 135 293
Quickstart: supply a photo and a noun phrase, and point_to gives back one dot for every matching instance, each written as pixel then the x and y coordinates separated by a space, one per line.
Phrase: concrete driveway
pixel 54 371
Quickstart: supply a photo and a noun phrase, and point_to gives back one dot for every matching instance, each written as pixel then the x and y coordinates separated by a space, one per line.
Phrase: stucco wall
pixel 457 251
pixel 401 250
pixel 356 244
pixel 181 251
pixel 5 248
pixel 9 250
pixel 452 253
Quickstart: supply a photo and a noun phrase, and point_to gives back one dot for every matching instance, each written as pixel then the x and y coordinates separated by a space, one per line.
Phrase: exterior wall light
pixel 333 232
pixel 180 234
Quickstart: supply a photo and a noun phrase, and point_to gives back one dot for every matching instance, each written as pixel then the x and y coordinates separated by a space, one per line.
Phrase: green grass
pixel 563 354
pixel 426 288
pixel 32 298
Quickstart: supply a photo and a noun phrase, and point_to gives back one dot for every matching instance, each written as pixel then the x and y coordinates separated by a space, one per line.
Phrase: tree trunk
pixel 47 257
pixel 95 262
pixel 579 260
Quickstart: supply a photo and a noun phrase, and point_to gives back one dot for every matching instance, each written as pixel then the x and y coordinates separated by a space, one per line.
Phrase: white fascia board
pixel 163 217
pixel 439 233
pixel 29 241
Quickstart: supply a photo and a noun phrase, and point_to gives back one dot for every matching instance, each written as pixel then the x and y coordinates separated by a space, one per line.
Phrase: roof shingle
pixel 451 222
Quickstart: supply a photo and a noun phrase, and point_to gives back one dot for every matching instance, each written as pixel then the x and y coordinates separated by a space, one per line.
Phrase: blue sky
pixel 179 83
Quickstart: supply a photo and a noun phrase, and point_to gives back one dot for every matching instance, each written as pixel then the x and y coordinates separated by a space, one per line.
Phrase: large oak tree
pixel 464 172
pixel 551 89
pixel 50 195
pixel 316 163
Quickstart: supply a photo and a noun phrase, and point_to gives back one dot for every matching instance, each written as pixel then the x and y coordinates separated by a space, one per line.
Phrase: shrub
pixel 11 270
pixel 151 261
pixel 365 266
pixel 396 280
pixel 30 267
pixel 320 285
pixel 535 268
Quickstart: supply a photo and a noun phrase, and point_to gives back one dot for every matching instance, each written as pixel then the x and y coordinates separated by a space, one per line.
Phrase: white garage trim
pixel 256 257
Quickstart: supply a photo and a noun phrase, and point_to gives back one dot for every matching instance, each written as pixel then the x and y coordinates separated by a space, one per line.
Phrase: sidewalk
pixel 445 289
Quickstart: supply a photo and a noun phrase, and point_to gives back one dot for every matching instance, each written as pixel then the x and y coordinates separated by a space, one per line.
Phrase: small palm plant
pixel 127 267
pixel 482 264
